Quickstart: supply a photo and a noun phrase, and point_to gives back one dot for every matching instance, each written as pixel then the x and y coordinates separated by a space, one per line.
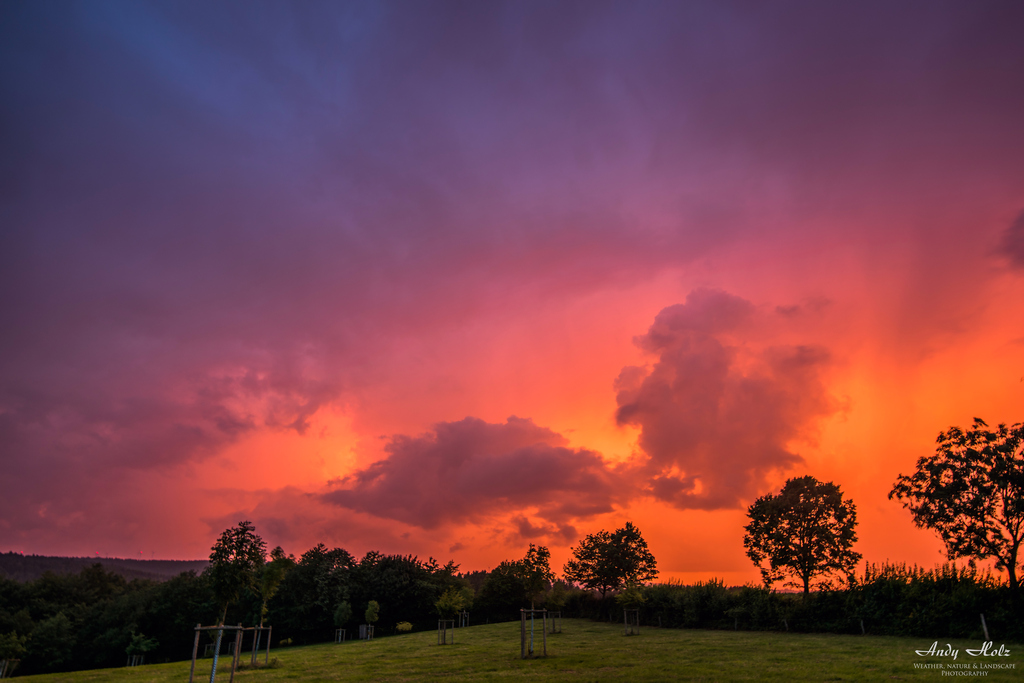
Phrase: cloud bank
pixel 717 411
pixel 217 223
pixel 472 470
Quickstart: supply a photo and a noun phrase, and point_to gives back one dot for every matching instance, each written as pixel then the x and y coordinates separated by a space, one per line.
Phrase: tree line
pixel 971 492
pixel 97 618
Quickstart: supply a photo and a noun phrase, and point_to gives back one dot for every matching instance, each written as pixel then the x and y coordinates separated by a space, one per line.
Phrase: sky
pixel 451 278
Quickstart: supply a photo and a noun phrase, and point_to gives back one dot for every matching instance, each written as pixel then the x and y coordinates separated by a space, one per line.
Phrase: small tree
pixel 450 603
pixel 536 571
pixel 558 595
pixel 342 614
pixel 140 645
pixel 971 491
pixel 12 649
pixel 631 597
pixel 607 561
pixel 12 646
pixel 805 531
pixel 372 612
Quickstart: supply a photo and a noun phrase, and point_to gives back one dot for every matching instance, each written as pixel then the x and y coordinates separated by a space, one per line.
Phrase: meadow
pixel 587 651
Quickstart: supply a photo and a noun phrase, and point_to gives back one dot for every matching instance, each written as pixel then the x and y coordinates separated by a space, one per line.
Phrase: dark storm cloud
pixel 717 414
pixel 471 470
pixel 218 217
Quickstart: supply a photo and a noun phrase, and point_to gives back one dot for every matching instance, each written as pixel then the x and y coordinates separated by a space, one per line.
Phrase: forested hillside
pixel 23 568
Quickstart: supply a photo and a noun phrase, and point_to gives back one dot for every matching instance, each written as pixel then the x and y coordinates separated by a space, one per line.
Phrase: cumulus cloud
pixel 718 412
pixel 470 470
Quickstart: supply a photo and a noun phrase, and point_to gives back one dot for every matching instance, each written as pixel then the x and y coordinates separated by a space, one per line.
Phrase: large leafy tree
pixel 405 586
pixel 971 491
pixel 514 582
pixel 806 531
pixel 503 590
pixel 610 560
pixel 311 591
pixel 236 561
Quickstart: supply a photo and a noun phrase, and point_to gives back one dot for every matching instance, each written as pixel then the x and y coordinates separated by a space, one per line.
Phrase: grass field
pixel 589 651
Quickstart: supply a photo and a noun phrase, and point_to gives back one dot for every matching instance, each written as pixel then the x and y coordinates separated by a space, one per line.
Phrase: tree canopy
pixel 608 561
pixel 270 577
pixel 971 492
pixel 519 581
pixel 805 531
pixel 372 612
pixel 536 571
pixel 236 560
pixel 450 603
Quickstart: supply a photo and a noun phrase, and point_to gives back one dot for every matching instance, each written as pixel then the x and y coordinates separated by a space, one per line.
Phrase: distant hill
pixel 30 567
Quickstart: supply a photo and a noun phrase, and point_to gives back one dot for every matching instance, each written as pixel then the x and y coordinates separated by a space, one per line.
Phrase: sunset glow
pixel 449 279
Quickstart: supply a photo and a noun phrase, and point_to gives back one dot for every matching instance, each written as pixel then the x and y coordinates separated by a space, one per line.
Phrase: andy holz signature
pixel 986 650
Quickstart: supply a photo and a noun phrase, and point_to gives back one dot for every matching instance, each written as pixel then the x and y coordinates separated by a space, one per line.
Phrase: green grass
pixel 585 651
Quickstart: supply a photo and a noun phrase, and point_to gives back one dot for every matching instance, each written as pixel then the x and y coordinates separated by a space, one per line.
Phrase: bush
pixel 889 599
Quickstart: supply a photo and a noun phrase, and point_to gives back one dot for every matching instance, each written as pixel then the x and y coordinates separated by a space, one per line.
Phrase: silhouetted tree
pixel 52 642
pixel 535 569
pixel 607 561
pixel 406 587
pixel 235 562
pixel 311 591
pixel 805 531
pixel 503 591
pixel 971 491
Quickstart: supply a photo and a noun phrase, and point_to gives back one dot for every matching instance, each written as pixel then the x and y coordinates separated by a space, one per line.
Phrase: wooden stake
pixel 545 632
pixel 238 646
pixel 522 634
pixel 195 651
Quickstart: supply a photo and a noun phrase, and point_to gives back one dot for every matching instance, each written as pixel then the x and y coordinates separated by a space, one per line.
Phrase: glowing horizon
pixel 449 280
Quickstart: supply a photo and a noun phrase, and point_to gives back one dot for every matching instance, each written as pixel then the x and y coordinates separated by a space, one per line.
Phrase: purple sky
pixel 320 264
